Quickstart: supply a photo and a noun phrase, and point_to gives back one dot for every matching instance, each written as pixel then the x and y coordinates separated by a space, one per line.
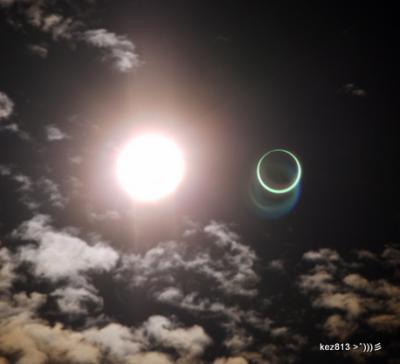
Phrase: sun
pixel 150 167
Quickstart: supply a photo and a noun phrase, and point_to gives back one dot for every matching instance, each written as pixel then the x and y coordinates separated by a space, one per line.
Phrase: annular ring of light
pixel 280 190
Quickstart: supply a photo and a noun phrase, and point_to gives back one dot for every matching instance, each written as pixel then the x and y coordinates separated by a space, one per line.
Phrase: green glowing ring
pixel 275 190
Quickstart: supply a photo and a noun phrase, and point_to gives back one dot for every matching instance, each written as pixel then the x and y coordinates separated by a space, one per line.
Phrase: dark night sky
pixel 88 276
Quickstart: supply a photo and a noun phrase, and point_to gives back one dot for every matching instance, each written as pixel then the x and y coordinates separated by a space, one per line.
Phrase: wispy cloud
pixel 7 274
pixel 212 256
pixel 6 106
pixel 5 170
pixel 119 340
pixel 52 190
pixel 233 360
pixel 111 215
pixel 39 16
pixel 54 133
pixel 117 48
pixel 38 50
pixel 347 299
pixel 24 181
pixel 354 299
pixel 15 129
pixel 67 262
pixel 232 274
pixel 189 342
pixel 353 90
pixel 150 358
pixel 339 327
pixel 78 300
pixel 37 341
pixel 277 265
pixel 7 3
pixel 77 159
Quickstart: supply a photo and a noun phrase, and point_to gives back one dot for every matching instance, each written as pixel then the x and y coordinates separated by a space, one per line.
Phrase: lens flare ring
pixel 272 206
pixel 279 190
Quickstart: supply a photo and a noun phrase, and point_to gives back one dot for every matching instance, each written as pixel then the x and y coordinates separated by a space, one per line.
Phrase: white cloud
pixel 238 276
pixel 106 215
pixel 357 281
pixel 29 202
pixel 340 327
pixel 366 254
pixel 353 90
pixel 6 106
pixel 76 160
pixel 38 50
pixel 118 49
pixel 236 360
pixel 75 300
pixel 20 304
pixel 15 129
pixel 54 133
pixel 233 273
pixel 7 267
pixel 122 343
pixel 335 285
pixel 119 340
pixel 349 302
pixel 170 294
pixel 238 341
pixel 391 254
pixel 60 254
pixel 215 257
pixel 35 13
pixel 190 341
pixel 277 264
pixel 385 322
pixel 279 331
pixel 5 170
pixel 149 358
pixel 25 185
pixel 319 280
pixel 322 255
pixel 52 190
pixel 24 181
pixel 39 16
pixel 212 306
pixel 38 343
pixel 6 3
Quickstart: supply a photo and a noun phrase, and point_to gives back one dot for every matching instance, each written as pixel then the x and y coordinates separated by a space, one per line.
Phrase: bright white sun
pixel 150 167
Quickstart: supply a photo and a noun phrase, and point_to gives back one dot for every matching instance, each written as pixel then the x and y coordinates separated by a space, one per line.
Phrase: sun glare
pixel 150 167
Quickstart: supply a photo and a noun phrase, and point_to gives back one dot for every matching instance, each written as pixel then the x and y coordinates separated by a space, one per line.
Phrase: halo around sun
pixel 150 167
